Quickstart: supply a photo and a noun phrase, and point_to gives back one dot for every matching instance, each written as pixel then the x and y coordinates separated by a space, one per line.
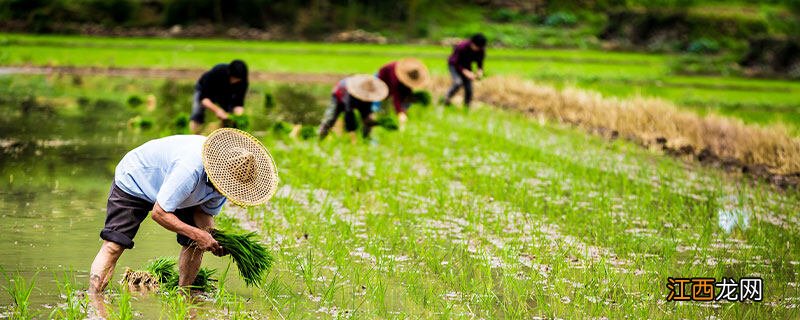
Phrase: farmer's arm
pixel 481 55
pixel 210 105
pixel 238 98
pixel 179 183
pixel 202 238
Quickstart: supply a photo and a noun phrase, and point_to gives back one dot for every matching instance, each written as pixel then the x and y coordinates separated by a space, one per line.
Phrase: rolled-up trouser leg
pixel 329 119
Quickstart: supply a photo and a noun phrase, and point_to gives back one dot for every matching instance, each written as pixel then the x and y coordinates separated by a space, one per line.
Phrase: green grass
pixel 613 73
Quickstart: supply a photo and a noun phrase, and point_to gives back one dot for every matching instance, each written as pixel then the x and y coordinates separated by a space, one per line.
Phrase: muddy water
pixel 55 174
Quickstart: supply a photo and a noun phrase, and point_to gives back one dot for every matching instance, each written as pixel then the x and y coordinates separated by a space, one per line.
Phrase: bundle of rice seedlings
pixel 252 258
pixel 164 271
pixel 387 122
pixel 162 268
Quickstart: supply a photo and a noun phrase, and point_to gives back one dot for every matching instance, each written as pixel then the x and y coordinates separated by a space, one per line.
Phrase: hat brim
pixel 253 192
pixel 405 66
pixel 357 86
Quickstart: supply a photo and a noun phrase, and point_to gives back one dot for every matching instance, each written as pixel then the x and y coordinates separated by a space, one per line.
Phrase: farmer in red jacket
pixel 353 93
pixel 402 77
pixel 460 64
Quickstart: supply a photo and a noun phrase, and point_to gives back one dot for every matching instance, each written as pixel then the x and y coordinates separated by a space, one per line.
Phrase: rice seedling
pixel 251 257
pixel 163 268
pixel 76 305
pixel 178 303
pixel 162 273
pixel 20 292
pixel 124 309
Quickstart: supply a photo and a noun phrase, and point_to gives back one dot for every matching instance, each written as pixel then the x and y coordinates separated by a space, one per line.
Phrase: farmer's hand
pixel 402 118
pixel 480 74
pixel 469 74
pixel 206 242
pixel 222 115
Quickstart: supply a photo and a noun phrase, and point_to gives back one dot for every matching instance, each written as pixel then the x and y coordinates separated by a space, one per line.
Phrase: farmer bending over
pixel 402 76
pixel 221 90
pixel 460 65
pixel 184 180
pixel 356 92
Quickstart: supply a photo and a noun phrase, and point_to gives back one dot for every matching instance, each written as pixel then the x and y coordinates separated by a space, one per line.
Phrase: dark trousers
pixel 459 80
pixel 348 107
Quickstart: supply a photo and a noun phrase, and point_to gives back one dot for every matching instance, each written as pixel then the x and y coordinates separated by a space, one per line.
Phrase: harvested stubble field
pixel 486 214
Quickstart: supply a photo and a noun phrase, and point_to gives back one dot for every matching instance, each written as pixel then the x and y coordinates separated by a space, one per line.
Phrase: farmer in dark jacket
pixel 221 90
pixel 460 64
pixel 353 93
pixel 402 77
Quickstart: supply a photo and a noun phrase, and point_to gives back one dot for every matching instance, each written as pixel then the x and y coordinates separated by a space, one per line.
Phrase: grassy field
pixel 613 73
pixel 486 214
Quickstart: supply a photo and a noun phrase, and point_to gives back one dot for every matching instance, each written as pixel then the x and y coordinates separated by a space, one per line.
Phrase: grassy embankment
pixel 611 73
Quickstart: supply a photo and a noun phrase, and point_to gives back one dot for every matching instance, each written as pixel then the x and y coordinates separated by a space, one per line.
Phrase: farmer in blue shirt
pixel 184 180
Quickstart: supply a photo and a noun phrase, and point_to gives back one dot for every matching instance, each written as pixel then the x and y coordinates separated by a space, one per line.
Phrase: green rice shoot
pixel 251 257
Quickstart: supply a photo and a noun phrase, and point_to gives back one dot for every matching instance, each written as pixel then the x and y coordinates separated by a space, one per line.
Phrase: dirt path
pixel 311 78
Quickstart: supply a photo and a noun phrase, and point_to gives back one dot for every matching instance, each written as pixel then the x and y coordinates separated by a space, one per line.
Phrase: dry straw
pixel 649 122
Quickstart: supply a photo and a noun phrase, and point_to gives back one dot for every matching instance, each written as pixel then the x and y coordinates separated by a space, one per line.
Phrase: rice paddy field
pixel 480 214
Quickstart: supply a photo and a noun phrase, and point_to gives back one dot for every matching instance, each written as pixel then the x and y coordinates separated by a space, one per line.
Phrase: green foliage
pixel 19 290
pixel 180 124
pixel 422 97
pixel 703 46
pixel 308 132
pixel 141 122
pixel 77 305
pixel 135 101
pixel 123 310
pixel 163 269
pixel 269 101
pixel 251 257
pixel 561 19
pixel 281 128
pixel 388 122
pixel 241 122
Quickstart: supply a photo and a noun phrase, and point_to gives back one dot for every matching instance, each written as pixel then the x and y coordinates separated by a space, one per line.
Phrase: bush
pixel 703 45
pixel 561 19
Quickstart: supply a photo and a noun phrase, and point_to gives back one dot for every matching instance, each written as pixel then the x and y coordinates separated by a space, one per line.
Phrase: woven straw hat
pixel 412 72
pixel 240 167
pixel 366 87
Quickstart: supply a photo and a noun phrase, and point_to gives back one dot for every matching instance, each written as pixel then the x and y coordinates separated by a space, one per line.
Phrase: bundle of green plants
pixel 241 121
pixel 308 132
pixel 282 128
pixel 164 271
pixel 387 122
pixel 422 97
pixel 251 257
pixel 140 122
pixel 180 124
pixel 135 101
